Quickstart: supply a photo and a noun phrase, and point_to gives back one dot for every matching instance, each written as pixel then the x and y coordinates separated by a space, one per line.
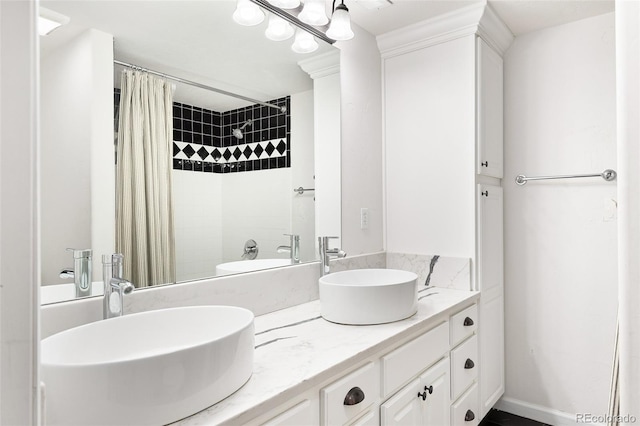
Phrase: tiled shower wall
pixel 204 141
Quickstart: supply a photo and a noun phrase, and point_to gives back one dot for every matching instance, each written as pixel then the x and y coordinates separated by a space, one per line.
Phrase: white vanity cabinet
pixel 430 379
pixel 443 139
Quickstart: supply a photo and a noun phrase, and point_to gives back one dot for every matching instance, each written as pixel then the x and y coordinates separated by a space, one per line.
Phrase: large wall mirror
pixel 235 163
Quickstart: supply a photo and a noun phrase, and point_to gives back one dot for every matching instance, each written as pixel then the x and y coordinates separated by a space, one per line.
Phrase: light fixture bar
pixel 293 20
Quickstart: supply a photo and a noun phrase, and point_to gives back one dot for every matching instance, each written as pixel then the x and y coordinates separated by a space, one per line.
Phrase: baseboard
pixel 538 413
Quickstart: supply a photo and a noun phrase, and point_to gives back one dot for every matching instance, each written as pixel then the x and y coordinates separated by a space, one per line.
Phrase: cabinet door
pixel 491 284
pixel 404 408
pixel 424 401
pixel 490 111
pixel 490 248
pixel 436 380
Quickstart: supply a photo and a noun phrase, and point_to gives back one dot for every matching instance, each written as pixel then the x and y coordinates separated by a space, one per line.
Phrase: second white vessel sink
pixel 150 368
pixel 368 296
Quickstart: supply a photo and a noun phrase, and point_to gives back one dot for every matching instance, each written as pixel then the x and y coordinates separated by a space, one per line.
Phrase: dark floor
pixel 501 418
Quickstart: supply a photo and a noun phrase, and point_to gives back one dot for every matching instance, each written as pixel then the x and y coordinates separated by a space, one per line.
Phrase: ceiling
pixel 198 40
pixel 521 16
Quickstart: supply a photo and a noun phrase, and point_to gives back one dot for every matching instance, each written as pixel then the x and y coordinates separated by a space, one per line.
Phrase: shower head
pixel 238 132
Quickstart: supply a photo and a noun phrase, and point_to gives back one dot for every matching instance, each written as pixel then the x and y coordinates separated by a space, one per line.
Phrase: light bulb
pixel 304 42
pixel 340 28
pixel 285 4
pixel 248 13
pixel 313 13
pixel 278 29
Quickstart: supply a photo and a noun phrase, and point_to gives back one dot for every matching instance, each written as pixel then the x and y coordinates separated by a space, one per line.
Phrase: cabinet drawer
pixel 298 415
pixel 464 324
pixel 332 398
pixel 464 368
pixel 465 412
pixel 399 366
pixel 370 418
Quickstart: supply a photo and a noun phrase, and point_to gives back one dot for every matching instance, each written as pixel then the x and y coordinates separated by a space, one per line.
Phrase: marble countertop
pixel 296 349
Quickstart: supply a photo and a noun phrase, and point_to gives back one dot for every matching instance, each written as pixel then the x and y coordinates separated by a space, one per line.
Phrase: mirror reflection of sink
pixel 249 265
pixel 368 296
pixel 63 292
pixel 148 368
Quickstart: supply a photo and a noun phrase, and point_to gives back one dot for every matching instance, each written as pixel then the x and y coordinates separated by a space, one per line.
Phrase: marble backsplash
pixel 434 270
pixel 363 261
pixel 261 291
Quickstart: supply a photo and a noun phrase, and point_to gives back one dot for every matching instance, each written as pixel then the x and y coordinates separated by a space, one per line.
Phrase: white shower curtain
pixel 144 209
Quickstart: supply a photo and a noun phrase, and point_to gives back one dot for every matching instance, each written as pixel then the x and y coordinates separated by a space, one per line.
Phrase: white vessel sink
pixel 249 265
pixel 368 296
pixel 150 368
pixel 63 292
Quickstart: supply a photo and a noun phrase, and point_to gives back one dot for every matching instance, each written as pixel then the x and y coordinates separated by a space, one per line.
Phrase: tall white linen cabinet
pixel 443 131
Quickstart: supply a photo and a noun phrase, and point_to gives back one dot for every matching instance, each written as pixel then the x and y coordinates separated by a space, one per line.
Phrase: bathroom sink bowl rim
pixel 368 296
pixel 138 356
pixel 328 279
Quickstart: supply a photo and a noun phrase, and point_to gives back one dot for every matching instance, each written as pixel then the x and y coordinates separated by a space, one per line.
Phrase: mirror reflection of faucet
pixel 293 248
pixel 115 286
pixel 81 272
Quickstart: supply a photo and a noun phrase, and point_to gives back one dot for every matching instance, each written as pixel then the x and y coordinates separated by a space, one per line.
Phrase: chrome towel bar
pixel 300 190
pixel 608 175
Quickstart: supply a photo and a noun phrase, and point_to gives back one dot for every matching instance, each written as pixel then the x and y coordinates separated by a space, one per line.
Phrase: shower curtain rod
pixel 282 109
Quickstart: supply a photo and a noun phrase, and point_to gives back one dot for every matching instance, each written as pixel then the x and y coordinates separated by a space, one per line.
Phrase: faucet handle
pixel 81 253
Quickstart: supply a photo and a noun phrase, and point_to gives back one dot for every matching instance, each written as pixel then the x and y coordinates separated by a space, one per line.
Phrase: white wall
pixel 19 270
pixel 560 236
pixel 303 174
pixel 76 131
pixel 361 106
pixel 256 205
pixel 628 103
pixel 429 169
pixel 197 199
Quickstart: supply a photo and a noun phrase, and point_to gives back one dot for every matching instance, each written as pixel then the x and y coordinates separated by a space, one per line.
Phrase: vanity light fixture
pixel 313 13
pixel 309 17
pixel 278 29
pixel 304 42
pixel 285 4
pixel 340 28
pixel 48 20
pixel 248 13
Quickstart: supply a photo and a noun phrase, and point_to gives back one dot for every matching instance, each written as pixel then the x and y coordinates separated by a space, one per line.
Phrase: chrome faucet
pixel 81 272
pixel 326 254
pixel 115 287
pixel 293 248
